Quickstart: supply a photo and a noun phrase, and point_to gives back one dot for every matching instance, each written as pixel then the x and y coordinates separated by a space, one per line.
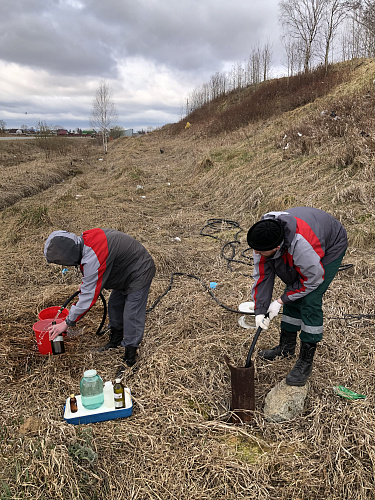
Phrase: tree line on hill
pixel 314 32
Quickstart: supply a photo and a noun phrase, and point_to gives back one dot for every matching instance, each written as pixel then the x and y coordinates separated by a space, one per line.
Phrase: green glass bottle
pixel 119 395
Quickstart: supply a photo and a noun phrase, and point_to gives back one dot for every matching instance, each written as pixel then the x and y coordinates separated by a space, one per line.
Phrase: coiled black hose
pixel 214 226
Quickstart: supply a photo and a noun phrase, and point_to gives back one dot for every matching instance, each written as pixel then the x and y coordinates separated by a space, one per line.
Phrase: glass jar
pixel 91 387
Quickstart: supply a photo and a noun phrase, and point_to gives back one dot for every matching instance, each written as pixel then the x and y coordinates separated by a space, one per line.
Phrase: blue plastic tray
pixel 85 416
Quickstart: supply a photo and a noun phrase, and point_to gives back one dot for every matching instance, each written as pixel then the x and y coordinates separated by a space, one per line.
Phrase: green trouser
pixel 306 313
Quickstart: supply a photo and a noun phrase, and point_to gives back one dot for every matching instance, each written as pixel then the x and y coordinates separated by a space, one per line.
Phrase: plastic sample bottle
pixel 91 387
pixel 108 394
pixel 73 403
pixel 128 398
pixel 119 394
pixel 57 344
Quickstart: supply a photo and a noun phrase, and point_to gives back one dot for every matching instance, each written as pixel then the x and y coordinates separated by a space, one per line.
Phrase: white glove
pixel 274 309
pixel 262 321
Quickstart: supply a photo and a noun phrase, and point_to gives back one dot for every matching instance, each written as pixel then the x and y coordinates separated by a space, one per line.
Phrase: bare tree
pixel 43 130
pixel 358 39
pixel 366 11
pixel 351 39
pixel 104 115
pixel 301 20
pixel 333 16
pixel 2 126
pixel 294 56
pixel 239 76
pixel 254 67
pixel 217 85
pixel 266 58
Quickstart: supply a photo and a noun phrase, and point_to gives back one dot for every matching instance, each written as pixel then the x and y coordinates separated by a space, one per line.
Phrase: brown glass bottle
pixel 73 403
pixel 119 395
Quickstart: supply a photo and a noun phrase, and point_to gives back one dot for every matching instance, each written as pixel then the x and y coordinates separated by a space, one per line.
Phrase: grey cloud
pixel 189 35
pixel 73 44
pixel 186 35
pixel 66 42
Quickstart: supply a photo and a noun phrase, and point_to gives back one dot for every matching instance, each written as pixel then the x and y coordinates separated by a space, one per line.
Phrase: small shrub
pixel 34 217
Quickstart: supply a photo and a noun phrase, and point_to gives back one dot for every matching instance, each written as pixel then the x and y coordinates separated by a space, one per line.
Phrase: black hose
pixel 204 286
pixel 344 267
pixel 253 343
pixel 99 331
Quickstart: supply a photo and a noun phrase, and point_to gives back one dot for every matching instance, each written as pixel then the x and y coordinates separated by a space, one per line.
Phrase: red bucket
pixel 41 334
pixel 51 313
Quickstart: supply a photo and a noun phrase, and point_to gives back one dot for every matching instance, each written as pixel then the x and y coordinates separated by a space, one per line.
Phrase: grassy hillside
pixel 179 442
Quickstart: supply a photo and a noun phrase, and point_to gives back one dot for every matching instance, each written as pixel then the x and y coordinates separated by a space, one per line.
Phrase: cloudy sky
pixel 152 54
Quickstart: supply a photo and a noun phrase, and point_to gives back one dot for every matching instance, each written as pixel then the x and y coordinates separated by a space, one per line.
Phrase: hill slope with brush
pixel 179 442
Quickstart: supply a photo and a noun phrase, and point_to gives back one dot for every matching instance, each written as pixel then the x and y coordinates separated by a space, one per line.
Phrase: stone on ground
pixel 284 402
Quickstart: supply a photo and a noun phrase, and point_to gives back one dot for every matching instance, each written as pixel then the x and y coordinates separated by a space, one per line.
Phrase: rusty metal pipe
pixel 242 385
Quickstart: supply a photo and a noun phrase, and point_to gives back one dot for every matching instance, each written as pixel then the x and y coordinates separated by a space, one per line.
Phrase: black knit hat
pixel 265 235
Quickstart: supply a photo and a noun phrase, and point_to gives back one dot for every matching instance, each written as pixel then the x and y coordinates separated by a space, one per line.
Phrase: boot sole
pixel 295 385
pixel 276 358
pixel 103 349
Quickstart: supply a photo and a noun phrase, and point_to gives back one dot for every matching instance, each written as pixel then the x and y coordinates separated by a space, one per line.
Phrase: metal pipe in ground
pixel 242 384
pixel 243 392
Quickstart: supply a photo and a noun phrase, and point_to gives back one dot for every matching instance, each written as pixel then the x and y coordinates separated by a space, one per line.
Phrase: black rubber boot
pixel 115 339
pixel 286 347
pixel 302 369
pixel 130 354
pixel 128 361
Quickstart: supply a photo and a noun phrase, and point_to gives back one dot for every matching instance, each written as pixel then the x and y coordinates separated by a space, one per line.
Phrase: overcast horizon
pixel 55 53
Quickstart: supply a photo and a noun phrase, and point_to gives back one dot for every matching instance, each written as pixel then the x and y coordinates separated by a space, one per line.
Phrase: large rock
pixel 284 402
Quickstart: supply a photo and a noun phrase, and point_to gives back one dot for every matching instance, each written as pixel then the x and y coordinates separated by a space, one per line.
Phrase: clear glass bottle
pixel 108 395
pixel 91 387
pixel 119 394
pixel 57 344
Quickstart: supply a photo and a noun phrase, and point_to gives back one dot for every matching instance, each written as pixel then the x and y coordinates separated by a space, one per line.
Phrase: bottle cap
pixel 89 373
pixel 118 380
pixel 72 395
pixel 109 382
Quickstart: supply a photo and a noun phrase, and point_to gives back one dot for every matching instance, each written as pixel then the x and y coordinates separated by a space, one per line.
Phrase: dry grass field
pixel 179 442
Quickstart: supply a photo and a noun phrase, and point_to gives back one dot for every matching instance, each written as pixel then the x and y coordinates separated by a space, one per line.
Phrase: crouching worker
pixel 112 260
pixel 304 247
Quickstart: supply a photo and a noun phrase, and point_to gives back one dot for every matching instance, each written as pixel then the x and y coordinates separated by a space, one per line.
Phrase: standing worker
pixel 113 260
pixel 304 247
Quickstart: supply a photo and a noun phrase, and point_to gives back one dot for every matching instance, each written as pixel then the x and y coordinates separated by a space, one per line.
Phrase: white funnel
pixel 247 321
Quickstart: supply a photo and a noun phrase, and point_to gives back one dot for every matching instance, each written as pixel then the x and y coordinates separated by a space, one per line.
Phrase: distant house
pixel 89 133
pixel 61 131
pixel 17 131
